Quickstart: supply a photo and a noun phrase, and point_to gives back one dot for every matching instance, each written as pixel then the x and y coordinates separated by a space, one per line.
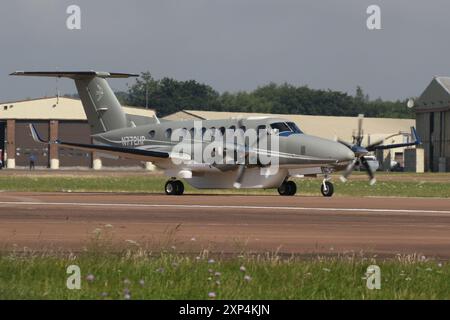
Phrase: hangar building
pixel 57 117
pixel 433 124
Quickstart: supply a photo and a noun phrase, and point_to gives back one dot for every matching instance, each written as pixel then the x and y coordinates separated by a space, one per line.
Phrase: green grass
pixel 170 276
pixel 412 186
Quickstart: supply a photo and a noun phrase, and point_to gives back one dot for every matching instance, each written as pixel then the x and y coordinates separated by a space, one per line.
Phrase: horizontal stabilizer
pixel 74 74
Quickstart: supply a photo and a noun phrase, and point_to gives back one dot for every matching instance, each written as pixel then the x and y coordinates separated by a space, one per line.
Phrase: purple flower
pixel 90 277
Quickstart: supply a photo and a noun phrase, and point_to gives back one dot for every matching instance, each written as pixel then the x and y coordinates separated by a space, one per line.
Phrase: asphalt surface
pixel 228 224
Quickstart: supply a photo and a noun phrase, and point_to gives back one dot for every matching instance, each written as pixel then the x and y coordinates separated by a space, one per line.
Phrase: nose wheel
pixel 174 188
pixel 287 188
pixel 327 188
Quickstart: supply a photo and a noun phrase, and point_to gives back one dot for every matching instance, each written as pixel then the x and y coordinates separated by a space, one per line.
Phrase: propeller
pixel 360 153
pixel 243 166
pixel 241 169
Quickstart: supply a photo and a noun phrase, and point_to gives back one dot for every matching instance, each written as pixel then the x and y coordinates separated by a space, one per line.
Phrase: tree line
pixel 168 96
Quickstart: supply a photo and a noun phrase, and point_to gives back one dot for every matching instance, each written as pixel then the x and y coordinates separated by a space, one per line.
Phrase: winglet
pixel 415 136
pixel 36 137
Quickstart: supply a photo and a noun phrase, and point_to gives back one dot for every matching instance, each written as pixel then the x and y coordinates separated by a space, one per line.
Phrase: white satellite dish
pixel 410 103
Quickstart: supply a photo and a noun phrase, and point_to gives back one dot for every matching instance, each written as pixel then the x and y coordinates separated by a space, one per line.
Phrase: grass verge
pixel 413 187
pixel 139 275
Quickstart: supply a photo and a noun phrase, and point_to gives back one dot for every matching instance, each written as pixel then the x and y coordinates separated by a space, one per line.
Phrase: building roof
pixel 61 108
pixel 436 96
pixel 328 127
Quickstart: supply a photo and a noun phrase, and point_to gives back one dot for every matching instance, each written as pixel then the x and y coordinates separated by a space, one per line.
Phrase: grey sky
pixel 230 44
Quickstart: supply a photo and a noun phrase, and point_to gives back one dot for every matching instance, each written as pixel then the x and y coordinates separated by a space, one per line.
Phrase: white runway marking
pixel 200 206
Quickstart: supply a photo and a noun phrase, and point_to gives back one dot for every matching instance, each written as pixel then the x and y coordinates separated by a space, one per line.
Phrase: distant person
pixel 32 161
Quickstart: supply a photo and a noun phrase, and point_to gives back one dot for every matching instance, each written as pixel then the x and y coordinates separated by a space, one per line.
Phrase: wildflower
pixel 439 265
pixel 160 270
pixel 408 279
pixel 173 247
pixel 131 242
pixel 108 225
pixel 242 268
pixel 211 261
pixel 217 274
pixel 210 270
pixel 212 295
pixel 218 282
pixel 104 294
pixel 197 258
pixel 326 270
pixel 90 277
pixel 127 296
pixel 126 281
pixel 247 278
pixel 429 269
pixel 193 239
pixel 142 282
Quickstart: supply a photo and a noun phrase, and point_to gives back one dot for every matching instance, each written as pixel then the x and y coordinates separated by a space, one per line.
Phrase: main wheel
pixel 170 187
pixel 174 187
pixel 327 190
pixel 179 190
pixel 287 188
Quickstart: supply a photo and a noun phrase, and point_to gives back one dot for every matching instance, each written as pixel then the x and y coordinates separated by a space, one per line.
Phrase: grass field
pixel 137 275
pixel 393 184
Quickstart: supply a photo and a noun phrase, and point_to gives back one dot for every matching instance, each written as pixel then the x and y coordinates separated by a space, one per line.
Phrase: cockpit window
pixel 280 127
pixel 294 127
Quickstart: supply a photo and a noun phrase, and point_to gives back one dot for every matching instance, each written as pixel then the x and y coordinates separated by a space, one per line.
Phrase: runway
pixel 226 223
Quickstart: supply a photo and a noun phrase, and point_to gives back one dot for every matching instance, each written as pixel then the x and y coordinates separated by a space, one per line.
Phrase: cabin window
pixel 243 128
pixel 232 128
pixel 151 134
pixel 192 132
pixel 222 130
pixel 168 133
pixel 261 128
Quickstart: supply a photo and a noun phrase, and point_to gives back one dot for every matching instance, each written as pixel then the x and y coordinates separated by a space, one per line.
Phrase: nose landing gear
pixel 174 187
pixel 327 188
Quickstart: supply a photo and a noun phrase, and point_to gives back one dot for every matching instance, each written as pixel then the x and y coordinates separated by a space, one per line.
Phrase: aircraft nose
pixel 344 153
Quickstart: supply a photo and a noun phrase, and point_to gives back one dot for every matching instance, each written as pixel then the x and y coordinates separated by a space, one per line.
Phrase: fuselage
pixel 293 150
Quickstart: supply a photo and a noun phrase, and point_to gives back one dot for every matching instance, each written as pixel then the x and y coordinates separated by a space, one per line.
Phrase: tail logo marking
pixel 99 93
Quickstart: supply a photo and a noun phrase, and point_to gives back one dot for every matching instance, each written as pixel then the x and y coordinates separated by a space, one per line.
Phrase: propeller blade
pixel 359 134
pixel 369 170
pixel 240 176
pixel 348 171
pixel 348 145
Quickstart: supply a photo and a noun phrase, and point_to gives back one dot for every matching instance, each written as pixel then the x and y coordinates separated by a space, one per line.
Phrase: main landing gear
pixel 174 187
pixel 287 188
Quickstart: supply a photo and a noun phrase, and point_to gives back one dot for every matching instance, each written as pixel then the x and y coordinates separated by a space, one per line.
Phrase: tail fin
pixel 103 110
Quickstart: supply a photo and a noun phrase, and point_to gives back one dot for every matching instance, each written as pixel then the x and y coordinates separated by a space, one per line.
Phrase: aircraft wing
pixel 130 153
pixel 379 146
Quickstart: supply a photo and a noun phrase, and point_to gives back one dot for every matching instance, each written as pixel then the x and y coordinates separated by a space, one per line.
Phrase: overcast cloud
pixel 229 44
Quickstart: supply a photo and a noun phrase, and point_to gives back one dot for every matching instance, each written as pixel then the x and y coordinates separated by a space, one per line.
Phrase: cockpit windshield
pixel 285 127
pixel 294 127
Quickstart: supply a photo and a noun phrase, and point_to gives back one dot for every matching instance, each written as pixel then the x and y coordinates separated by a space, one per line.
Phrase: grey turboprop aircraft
pixel 292 154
